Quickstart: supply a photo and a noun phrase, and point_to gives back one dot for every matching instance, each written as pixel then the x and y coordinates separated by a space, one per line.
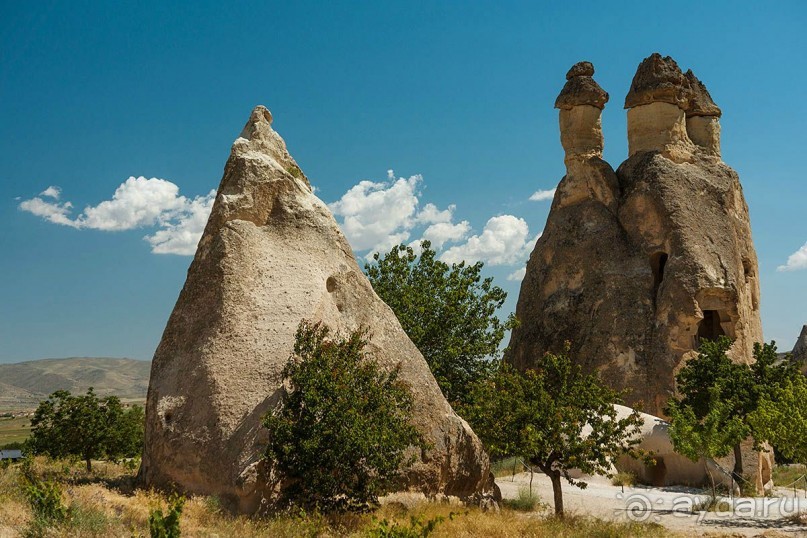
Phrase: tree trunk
pixel 711 478
pixel 738 464
pixel 557 492
pixel 89 465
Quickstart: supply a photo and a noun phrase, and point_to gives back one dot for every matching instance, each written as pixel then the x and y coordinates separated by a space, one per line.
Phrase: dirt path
pixel 670 507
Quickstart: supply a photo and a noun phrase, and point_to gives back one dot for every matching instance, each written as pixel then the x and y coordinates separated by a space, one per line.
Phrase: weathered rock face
pixel 272 255
pixel 671 468
pixel 799 352
pixel 636 266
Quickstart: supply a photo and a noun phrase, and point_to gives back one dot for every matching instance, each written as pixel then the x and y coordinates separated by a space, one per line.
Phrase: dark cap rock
pixel 581 89
pixel 658 80
pixel 581 69
pixel 700 102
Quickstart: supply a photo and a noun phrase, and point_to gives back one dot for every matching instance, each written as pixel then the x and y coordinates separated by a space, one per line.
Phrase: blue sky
pixel 454 97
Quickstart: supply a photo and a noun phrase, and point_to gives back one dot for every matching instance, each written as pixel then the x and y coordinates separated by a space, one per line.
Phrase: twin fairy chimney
pixel 636 267
pixel 271 256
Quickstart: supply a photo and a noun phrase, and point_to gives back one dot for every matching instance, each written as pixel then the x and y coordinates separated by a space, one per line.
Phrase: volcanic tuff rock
pixel 669 468
pixel 272 255
pixel 580 88
pixel 636 266
pixel 799 352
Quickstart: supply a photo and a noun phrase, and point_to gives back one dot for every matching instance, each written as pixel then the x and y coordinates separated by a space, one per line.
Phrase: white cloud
pixel 375 215
pixel 51 211
pixel 431 215
pixel 518 275
pixel 52 192
pixel 542 195
pixel 442 232
pixel 182 235
pixel 504 241
pixel 136 203
pixel 379 215
pixel 796 261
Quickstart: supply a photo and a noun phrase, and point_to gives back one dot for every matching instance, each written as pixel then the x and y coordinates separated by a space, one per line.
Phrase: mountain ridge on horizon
pixel 24 384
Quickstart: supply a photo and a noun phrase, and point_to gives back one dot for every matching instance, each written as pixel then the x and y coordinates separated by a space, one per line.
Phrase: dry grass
pixel 107 505
pixel 785 475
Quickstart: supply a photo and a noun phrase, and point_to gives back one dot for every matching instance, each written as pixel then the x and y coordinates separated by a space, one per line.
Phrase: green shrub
pixel 415 529
pixel 623 478
pixel 525 502
pixel 163 525
pixel 45 499
pixel 339 438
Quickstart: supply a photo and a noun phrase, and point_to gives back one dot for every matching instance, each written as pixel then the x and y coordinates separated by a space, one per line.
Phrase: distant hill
pixel 25 384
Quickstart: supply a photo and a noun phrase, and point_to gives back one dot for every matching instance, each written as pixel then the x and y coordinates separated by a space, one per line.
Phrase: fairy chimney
pixel 271 256
pixel 636 267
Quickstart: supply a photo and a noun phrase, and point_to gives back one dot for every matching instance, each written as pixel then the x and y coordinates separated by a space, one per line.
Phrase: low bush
pixel 416 528
pixel 45 499
pixel 623 478
pixel 525 502
pixel 339 438
pixel 166 525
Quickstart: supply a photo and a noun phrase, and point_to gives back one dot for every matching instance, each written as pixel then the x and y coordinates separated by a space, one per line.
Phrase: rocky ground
pixel 670 507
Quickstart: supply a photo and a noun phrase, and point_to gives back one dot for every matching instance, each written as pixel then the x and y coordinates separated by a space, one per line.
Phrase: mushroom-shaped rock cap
pixel 658 80
pixel 580 69
pixel 700 102
pixel 581 89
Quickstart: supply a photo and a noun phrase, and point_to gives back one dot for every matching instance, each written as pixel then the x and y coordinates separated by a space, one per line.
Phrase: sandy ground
pixel 670 507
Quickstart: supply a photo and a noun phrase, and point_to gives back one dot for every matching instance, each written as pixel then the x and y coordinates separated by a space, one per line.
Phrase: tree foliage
pixel 86 426
pixel 710 434
pixel 718 396
pixel 340 436
pixel 167 524
pixel 449 312
pixel 781 418
pixel 556 417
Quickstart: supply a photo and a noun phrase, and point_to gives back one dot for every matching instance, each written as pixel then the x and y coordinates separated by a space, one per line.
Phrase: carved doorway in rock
pixel 658 473
pixel 710 327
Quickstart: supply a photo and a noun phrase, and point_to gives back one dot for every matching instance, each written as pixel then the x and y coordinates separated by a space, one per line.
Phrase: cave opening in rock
pixel 710 327
pixel 657 263
pixel 658 473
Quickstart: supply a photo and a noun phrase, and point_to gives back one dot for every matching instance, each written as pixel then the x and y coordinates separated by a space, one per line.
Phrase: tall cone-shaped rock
pixel 799 352
pixel 635 268
pixel 272 255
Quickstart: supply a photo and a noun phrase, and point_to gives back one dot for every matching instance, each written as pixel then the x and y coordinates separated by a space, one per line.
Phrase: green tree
pixel 126 434
pixel 713 388
pixel 781 418
pixel 85 426
pixel 709 434
pixel 449 312
pixel 557 417
pixel 339 437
